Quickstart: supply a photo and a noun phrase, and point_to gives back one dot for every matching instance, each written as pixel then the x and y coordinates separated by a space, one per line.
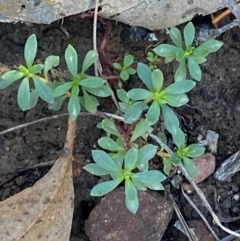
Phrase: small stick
pixel 42 164
pixel 31 123
pixel 200 214
pixel 222 15
pixel 96 63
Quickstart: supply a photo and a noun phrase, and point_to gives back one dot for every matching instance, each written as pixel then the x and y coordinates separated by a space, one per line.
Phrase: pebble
pixel 110 220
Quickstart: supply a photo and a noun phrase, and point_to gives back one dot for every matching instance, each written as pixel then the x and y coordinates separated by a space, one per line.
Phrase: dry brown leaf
pixel 41 212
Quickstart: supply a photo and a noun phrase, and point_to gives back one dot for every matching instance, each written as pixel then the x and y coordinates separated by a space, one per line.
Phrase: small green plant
pixel 153 60
pixel 126 70
pixel 26 97
pixel 193 55
pixel 160 99
pixel 125 172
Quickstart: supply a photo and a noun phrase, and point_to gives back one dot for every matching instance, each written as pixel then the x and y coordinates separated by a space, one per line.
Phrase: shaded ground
pixel 214 104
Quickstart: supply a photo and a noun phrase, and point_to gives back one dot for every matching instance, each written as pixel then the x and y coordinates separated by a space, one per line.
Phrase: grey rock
pixel 110 220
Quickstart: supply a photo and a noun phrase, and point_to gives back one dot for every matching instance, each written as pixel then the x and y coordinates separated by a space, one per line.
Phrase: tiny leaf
pixel 95 169
pixel 141 128
pixel 92 82
pixel 139 94
pixel 190 166
pixel 109 126
pixel 71 59
pixel 131 159
pixel 50 62
pixel 176 36
pixel 171 121
pixel 131 200
pixel 166 50
pixel 89 59
pixel 194 150
pixel 157 79
pixel 103 188
pixel 103 160
pixel 108 144
pixel 128 60
pixel 189 34
pixel 153 113
pixel 30 50
pixel 23 96
pixel 194 69
pixel 144 73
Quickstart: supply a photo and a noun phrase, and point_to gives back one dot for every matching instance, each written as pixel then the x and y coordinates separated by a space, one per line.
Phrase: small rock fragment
pixel 205 165
pixel 110 220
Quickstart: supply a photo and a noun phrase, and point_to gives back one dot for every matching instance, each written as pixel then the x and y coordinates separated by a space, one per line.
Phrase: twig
pixel 195 186
pixel 222 15
pixel 31 123
pixel 233 6
pixel 200 214
pixel 187 231
pixel 42 164
pixel 96 63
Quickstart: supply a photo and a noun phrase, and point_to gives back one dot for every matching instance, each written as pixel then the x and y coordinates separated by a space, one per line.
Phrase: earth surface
pixel 214 105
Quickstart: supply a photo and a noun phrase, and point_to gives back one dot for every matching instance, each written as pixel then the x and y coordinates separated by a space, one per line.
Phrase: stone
pixel 110 220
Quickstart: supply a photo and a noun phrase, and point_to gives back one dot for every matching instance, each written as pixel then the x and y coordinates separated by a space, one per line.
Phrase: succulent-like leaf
pixel 33 99
pixel 36 68
pixel 62 89
pixel 179 138
pixel 131 159
pixel 190 166
pixel 128 60
pixel 144 73
pixel 194 69
pixel 194 150
pixel 124 75
pixel 9 77
pixel 145 153
pixel 102 91
pixel 73 104
pixel 181 71
pixel 30 50
pixel 117 66
pixel 103 160
pixel 23 96
pixel 175 159
pixel 167 165
pixel 90 103
pixel 96 170
pixel 157 79
pixel 131 71
pixel 122 95
pixel 212 45
pixel 171 121
pixel 50 62
pixel 176 36
pixel 108 144
pixel 89 59
pixel 109 126
pixel 71 59
pixel 180 87
pixel 189 34
pixel 105 187
pixel 43 90
pixel 92 82
pixel 134 112
pixel 153 113
pixel 166 50
pixel 131 200
pixel 153 176
pixel 139 94
pixel 140 129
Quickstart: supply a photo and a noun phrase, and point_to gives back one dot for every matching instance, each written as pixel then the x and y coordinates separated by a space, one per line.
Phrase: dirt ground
pixel 214 105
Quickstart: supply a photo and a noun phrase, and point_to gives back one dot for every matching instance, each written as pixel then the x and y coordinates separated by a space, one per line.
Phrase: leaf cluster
pixel 127 172
pixel 186 52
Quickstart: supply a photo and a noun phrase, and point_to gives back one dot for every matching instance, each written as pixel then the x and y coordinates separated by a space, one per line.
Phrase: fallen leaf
pixel 41 212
